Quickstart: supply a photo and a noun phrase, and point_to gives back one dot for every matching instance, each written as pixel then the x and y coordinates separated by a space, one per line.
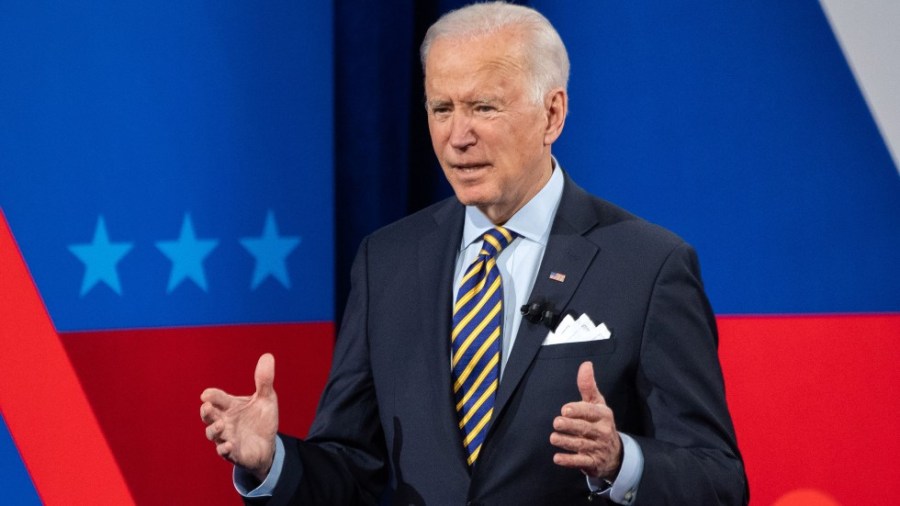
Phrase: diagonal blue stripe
pixel 15 485
pixel 482 313
pixel 482 362
pixel 474 398
pixel 482 410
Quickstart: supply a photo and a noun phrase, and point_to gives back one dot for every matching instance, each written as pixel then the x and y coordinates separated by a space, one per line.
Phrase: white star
pixel 187 255
pixel 100 258
pixel 270 251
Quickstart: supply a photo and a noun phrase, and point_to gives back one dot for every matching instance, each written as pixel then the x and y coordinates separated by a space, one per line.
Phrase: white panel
pixel 869 33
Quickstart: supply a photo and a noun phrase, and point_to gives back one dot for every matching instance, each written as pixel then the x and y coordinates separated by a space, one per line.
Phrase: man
pixel 441 392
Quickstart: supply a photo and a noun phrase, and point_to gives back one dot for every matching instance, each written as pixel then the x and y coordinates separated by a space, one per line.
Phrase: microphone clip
pixel 539 312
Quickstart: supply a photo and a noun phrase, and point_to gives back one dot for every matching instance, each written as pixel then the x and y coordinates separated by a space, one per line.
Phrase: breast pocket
pixel 586 349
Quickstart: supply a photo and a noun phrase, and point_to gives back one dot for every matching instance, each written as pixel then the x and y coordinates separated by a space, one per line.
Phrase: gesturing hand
pixel 587 429
pixel 244 428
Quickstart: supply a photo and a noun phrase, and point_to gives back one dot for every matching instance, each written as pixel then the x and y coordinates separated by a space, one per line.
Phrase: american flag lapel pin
pixel 557 276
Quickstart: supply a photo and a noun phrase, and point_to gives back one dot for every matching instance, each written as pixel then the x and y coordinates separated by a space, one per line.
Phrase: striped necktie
pixel 476 339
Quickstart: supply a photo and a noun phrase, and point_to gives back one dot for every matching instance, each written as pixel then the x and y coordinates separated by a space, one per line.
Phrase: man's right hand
pixel 244 428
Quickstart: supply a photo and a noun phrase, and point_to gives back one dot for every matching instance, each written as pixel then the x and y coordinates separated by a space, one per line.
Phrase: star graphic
pixel 270 251
pixel 100 258
pixel 187 255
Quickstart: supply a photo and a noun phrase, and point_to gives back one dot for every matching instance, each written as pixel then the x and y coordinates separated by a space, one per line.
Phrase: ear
pixel 556 105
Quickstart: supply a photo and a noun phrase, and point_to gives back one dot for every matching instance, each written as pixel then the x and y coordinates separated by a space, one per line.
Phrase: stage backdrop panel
pixel 742 127
pixel 166 174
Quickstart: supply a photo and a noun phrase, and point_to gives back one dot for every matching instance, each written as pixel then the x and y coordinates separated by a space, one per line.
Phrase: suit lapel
pixel 437 252
pixel 568 252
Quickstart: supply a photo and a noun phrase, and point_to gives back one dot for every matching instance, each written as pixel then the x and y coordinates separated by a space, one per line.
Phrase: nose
pixel 461 134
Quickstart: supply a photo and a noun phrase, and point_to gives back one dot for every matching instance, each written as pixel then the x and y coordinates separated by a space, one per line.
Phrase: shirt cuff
pixel 624 489
pixel 244 482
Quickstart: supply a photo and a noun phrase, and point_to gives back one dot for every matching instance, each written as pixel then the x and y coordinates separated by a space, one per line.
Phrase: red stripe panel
pixel 42 402
pixel 815 405
pixel 145 388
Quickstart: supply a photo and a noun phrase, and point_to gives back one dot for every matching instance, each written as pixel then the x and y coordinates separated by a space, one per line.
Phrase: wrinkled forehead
pixel 487 82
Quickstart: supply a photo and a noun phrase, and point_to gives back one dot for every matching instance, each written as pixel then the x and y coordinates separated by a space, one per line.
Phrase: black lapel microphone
pixel 539 312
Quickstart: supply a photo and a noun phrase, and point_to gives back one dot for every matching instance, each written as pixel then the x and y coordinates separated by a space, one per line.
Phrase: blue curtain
pixel 384 165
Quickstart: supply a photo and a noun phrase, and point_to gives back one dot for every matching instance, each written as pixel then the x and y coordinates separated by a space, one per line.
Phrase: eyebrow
pixel 475 101
pixel 436 102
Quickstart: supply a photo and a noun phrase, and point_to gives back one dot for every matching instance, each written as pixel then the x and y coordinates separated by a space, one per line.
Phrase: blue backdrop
pixel 196 141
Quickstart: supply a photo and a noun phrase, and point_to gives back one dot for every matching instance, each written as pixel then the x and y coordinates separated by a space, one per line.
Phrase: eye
pixel 440 111
pixel 485 108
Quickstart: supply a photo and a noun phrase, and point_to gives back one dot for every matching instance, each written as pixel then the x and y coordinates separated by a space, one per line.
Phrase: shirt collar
pixel 532 222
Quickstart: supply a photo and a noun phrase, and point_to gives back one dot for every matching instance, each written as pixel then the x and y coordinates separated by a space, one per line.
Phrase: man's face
pixel 489 136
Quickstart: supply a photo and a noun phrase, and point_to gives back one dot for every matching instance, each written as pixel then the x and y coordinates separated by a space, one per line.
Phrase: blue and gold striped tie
pixel 476 339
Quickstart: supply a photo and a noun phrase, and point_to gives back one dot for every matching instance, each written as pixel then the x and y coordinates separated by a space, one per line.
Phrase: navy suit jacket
pixel 386 423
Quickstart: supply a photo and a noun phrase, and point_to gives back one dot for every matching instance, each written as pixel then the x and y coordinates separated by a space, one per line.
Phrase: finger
pixel 577 427
pixel 587 385
pixel 568 442
pixel 224 450
pixel 214 431
pixel 265 375
pixel 208 413
pixel 586 411
pixel 573 460
pixel 218 398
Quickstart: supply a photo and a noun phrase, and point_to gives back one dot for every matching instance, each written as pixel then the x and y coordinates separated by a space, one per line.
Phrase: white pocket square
pixel 581 330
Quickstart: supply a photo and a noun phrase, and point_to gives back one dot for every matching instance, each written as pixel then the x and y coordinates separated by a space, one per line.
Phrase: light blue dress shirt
pixel 518 263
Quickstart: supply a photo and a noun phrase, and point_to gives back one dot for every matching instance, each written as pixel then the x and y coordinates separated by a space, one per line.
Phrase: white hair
pixel 545 55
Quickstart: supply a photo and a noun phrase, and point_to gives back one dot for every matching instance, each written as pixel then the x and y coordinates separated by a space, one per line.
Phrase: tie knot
pixel 495 240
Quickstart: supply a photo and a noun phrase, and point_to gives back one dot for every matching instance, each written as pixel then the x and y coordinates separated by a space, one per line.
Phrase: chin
pixel 471 198
pixel 478 194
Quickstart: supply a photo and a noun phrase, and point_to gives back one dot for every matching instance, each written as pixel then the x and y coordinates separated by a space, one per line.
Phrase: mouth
pixel 467 168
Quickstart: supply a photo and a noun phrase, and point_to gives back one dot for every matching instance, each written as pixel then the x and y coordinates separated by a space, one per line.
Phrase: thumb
pixel 265 375
pixel 587 385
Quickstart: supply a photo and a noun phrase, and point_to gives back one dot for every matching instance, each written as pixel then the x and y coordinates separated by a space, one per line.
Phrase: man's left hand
pixel 588 430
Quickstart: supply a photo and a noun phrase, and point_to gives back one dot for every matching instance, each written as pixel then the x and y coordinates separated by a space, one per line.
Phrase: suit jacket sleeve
pixel 688 442
pixel 343 459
